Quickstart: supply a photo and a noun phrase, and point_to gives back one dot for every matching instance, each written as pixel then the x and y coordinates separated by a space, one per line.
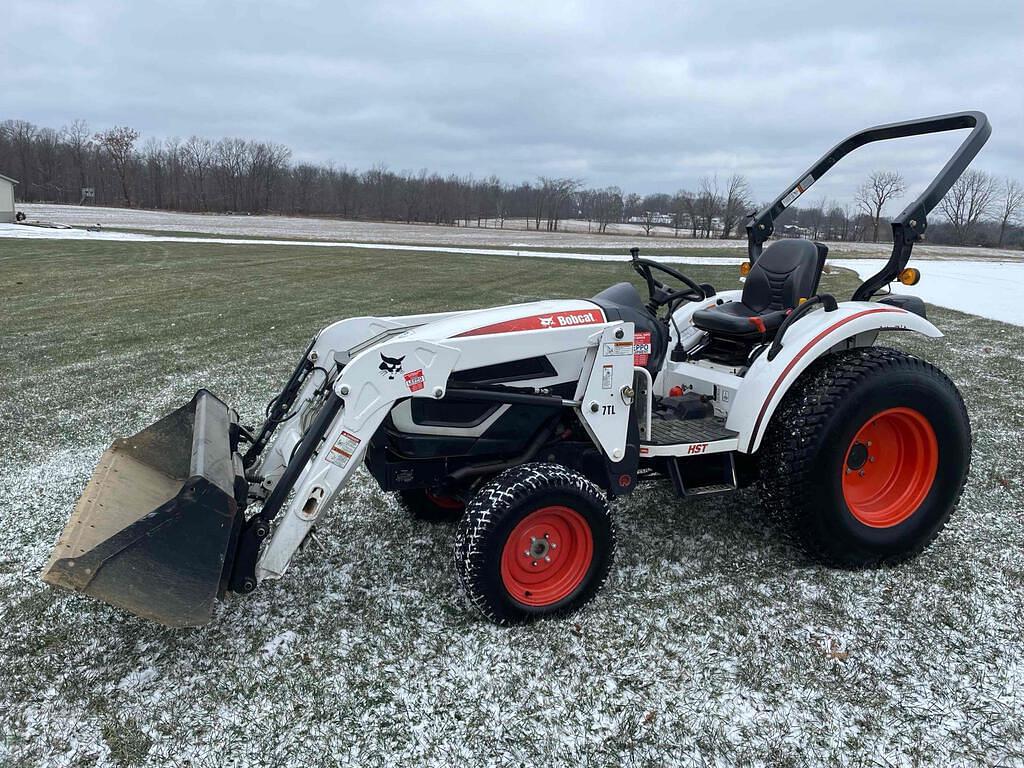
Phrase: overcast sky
pixel 646 96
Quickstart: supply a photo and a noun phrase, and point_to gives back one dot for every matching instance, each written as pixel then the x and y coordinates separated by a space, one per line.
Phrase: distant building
pixel 6 200
pixel 652 217
pixel 792 230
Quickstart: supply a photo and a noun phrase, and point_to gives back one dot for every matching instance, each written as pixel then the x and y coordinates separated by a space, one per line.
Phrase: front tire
pixel 866 457
pixel 535 541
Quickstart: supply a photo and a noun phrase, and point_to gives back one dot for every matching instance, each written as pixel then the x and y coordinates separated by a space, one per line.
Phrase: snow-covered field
pixel 988 288
pixel 574 237
pixel 947 282
pixel 713 643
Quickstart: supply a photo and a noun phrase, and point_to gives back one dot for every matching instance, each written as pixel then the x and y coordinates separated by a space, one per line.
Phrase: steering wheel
pixel 661 294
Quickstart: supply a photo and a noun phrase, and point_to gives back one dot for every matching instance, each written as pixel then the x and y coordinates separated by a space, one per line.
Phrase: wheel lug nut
pixel 534 563
pixel 547 559
pixel 871 458
pixel 861 473
pixel 553 545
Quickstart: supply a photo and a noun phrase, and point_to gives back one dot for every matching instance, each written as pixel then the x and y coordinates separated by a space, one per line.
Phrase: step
pixel 709 490
pixel 704 475
pixel 688 437
pixel 674 431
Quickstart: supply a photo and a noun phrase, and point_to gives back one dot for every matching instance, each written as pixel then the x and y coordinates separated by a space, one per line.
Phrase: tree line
pixel 238 175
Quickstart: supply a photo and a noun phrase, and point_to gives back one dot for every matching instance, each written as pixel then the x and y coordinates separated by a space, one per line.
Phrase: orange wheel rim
pixel 546 556
pixel 890 466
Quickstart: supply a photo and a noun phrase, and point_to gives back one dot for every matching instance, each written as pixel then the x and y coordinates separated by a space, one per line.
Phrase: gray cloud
pixel 649 96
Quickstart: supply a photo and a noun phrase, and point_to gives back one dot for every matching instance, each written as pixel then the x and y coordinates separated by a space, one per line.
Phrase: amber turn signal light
pixel 910 276
pixel 744 269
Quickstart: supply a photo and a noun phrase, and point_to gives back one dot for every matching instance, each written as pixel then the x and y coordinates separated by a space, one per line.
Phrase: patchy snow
pixel 514 235
pixel 21 231
pixel 993 289
pixel 278 644
pixel 713 642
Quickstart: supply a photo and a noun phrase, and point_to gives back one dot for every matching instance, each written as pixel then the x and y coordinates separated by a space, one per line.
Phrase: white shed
pixel 6 199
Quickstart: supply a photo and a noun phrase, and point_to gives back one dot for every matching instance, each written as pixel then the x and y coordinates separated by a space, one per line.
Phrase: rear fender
pixel 853 324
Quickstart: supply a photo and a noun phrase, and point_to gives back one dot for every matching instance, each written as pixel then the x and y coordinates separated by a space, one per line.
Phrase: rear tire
pixel 866 457
pixel 535 541
pixel 432 508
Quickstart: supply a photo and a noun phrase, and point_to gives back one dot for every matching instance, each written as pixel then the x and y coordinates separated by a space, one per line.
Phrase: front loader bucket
pixel 155 530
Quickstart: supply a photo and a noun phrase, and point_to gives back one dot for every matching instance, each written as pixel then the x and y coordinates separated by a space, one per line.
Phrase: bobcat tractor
pixel 526 421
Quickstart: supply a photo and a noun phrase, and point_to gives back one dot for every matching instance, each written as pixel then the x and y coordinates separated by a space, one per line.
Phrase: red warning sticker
pixel 641 348
pixel 414 380
pixel 341 452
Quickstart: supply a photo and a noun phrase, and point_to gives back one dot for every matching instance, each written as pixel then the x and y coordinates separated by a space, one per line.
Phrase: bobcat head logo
pixel 547 322
pixel 389 366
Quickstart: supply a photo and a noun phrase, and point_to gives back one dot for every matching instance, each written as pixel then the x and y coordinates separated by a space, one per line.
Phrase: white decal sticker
pixel 343 450
pixel 606 375
pixel 617 348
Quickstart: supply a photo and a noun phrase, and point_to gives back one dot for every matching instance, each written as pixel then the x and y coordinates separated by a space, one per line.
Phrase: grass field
pixel 714 643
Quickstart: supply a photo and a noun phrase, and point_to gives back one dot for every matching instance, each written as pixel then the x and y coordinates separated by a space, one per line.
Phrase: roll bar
pixel 908 226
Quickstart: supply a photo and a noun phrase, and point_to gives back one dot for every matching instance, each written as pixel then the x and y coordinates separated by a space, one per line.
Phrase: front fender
pixel 808 339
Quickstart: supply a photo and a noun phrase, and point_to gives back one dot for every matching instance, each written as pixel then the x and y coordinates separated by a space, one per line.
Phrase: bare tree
pixel 119 142
pixel 632 206
pixel 815 218
pixel 229 166
pixel 647 221
pixel 607 206
pixel 708 204
pixel 969 199
pixel 737 202
pixel 556 193
pixel 682 205
pixel 874 193
pixel 1011 203
pixel 197 155
pixel 78 140
pixel 22 135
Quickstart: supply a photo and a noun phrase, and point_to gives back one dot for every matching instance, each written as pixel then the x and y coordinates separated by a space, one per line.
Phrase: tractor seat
pixel 787 271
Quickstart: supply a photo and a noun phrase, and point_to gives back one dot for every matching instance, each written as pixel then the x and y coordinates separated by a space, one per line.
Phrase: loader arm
pixel 333 447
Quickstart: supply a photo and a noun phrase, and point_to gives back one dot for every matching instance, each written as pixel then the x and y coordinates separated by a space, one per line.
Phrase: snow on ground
pixel 986 288
pixel 44 233
pixel 993 289
pixel 513 236
pixel 714 643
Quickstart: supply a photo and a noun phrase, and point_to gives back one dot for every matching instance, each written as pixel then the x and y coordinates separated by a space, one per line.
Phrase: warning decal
pixel 414 380
pixel 342 451
pixel 641 348
pixel 615 348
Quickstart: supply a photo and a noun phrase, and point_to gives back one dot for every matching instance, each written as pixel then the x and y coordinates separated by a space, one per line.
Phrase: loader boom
pixel 334 446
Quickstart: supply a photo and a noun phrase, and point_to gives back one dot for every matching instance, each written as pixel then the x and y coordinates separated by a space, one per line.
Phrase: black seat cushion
pixel 787 271
pixel 739 320
pixel 622 301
